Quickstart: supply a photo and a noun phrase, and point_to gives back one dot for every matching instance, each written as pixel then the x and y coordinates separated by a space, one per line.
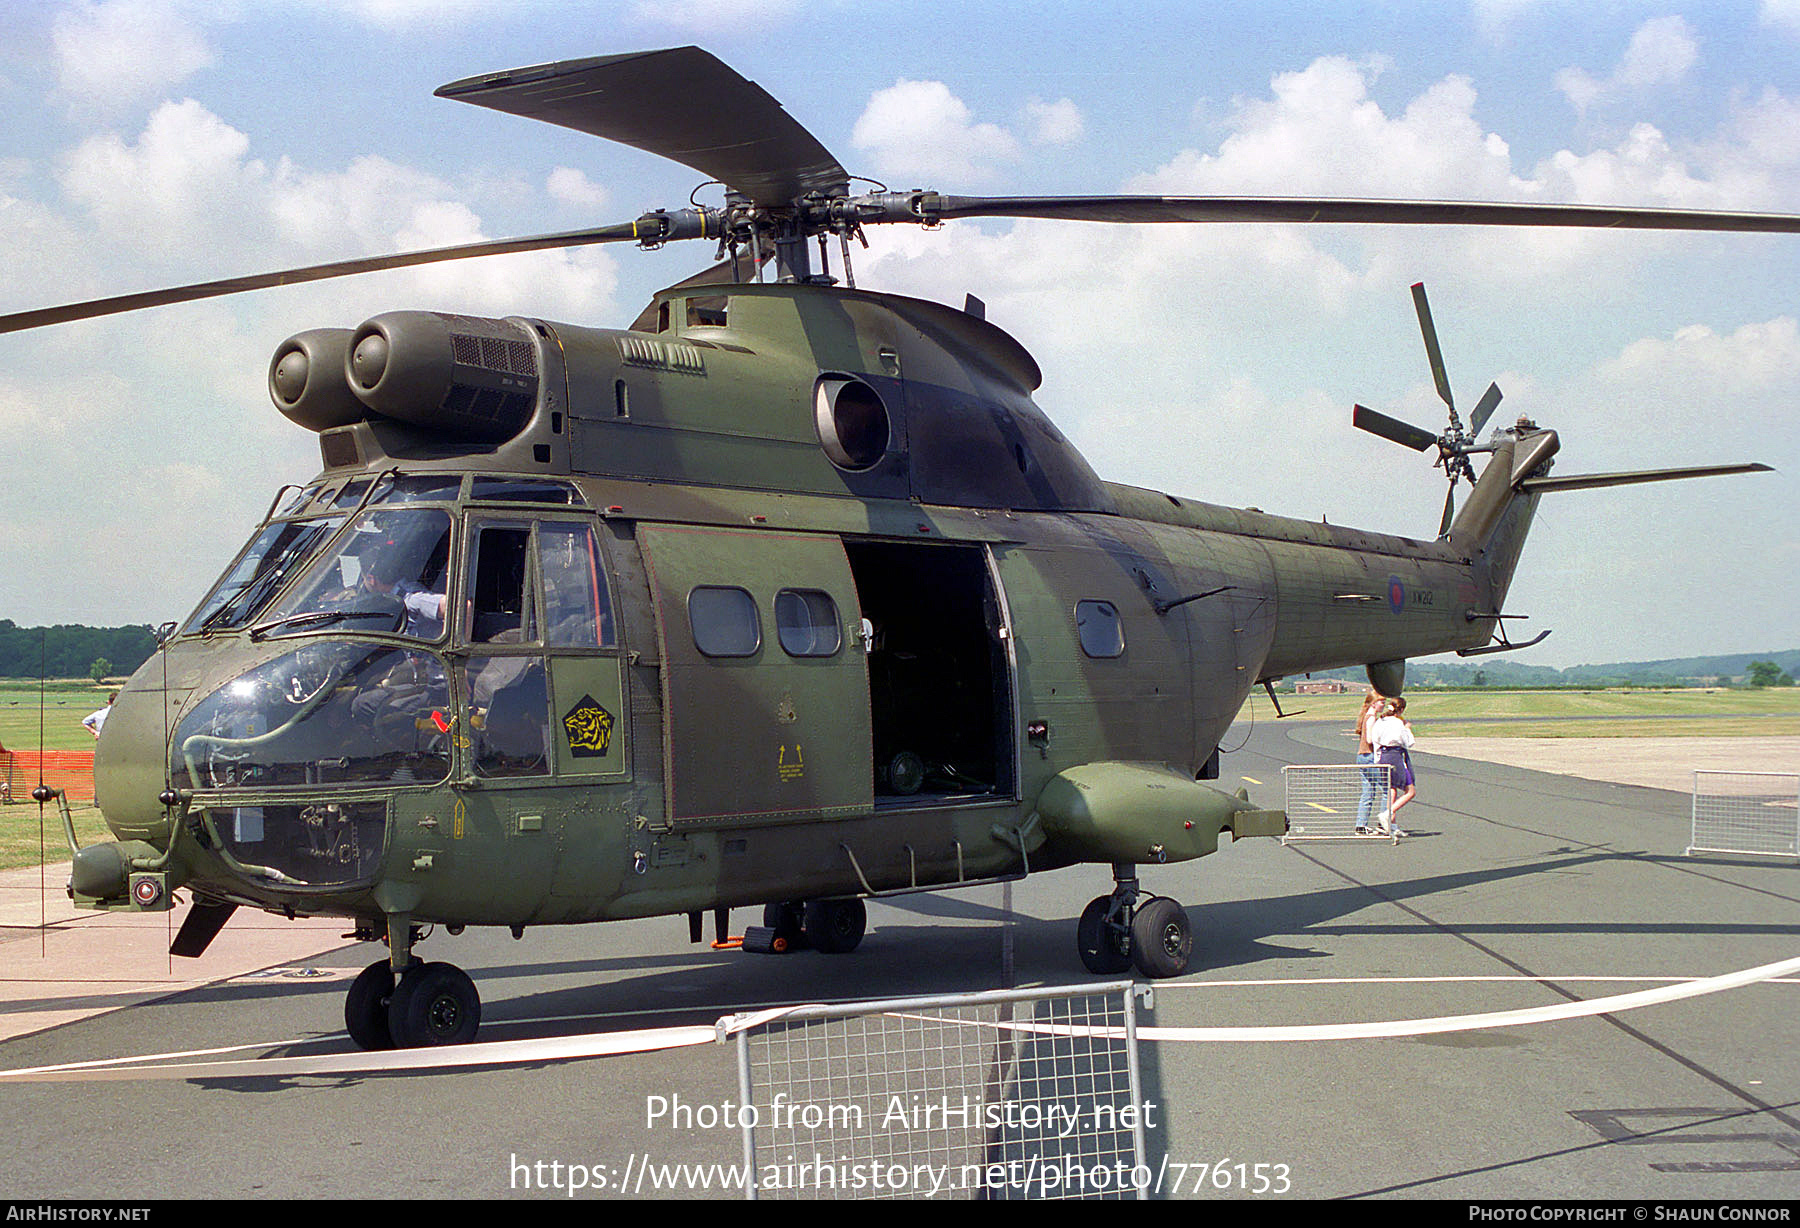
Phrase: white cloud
pixel 1784 15
pixel 920 128
pixel 710 16
pixel 1495 17
pixel 1661 52
pixel 189 184
pixel 568 186
pixel 1757 358
pixel 410 15
pixel 187 171
pixel 1054 123
pixel 122 51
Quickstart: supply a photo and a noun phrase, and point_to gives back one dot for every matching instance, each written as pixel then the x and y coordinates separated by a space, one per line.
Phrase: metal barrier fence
pixel 1746 812
pixel 1011 1094
pixel 1331 801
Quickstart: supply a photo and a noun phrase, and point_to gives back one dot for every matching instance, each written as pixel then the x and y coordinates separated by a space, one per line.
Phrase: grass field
pixel 1769 712
pixel 65 702
pixel 21 839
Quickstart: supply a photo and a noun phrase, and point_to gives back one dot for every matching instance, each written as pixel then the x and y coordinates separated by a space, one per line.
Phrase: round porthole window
pixel 851 420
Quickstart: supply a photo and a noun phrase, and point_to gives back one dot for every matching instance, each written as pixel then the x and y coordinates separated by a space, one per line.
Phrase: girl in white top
pixel 1392 737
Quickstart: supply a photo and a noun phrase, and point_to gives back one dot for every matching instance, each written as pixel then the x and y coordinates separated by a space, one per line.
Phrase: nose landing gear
pixel 1128 928
pixel 427 1004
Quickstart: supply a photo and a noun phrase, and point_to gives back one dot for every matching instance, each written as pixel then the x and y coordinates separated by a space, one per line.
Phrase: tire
pixel 434 1004
pixel 366 1007
pixel 835 926
pixel 1161 939
pixel 788 920
pixel 1104 951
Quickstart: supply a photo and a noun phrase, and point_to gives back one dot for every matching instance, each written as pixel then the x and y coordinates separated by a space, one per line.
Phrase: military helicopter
pixel 787 595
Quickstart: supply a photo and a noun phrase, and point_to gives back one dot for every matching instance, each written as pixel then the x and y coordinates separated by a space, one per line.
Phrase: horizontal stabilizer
pixel 1592 481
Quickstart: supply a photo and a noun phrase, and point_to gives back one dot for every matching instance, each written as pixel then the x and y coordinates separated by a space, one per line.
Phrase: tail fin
pixel 1490 529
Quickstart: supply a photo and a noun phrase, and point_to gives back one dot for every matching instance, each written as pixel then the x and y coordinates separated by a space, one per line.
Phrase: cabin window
pixel 499 594
pixel 707 312
pixel 724 621
pixel 1102 634
pixel 577 609
pixel 806 622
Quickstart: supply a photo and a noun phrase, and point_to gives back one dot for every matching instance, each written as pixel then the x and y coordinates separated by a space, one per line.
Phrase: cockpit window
pixel 351 494
pixel 276 552
pixel 523 490
pixel 301 496
pixel 325 714
pixel 388 572
pixel 425 488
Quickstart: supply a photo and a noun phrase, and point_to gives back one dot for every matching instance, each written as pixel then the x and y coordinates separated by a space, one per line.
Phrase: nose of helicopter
pixel 131 763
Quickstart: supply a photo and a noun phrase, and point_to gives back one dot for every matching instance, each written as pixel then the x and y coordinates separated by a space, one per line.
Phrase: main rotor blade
pixel 1433 354
pixel 1449 511
pixel 21 320
pixel 684 104
pixel 1484 409
pixel 1403 433
pixel 1365 212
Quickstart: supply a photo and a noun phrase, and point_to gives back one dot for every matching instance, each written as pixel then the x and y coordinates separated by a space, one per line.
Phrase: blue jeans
pixel 1371 788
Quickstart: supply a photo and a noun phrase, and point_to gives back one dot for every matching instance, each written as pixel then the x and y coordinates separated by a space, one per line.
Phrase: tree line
pixel 72 651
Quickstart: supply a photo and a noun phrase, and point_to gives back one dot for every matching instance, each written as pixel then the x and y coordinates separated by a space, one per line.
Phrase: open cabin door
pixel 765 687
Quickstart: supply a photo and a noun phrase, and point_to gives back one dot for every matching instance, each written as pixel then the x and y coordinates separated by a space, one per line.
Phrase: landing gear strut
pixel 1125 928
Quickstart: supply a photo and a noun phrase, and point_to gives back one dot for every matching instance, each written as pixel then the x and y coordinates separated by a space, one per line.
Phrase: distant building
pixel 1328 687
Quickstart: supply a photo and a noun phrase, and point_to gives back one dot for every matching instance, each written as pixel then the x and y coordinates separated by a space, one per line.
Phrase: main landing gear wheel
pixel 835 926
pixel 434 1004
pixel 1105 944
pixel 366 1007
pixel 787 921
pixel 1161 940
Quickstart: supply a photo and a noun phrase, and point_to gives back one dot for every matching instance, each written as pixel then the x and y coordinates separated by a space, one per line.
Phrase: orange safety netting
pixel 69 770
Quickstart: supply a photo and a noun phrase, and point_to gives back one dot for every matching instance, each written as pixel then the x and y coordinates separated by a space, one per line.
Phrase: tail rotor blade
pixel 1484 408
pixel 1403 433
pixel 1432 352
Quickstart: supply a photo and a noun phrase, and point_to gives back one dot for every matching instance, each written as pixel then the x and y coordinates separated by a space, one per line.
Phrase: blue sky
pixel 152 142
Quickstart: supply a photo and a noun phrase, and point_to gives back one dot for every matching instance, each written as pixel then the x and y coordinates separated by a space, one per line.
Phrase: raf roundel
pixel 1396 593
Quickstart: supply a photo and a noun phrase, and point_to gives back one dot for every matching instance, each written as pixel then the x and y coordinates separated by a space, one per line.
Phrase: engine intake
pixel 306 380
pixel 467 376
